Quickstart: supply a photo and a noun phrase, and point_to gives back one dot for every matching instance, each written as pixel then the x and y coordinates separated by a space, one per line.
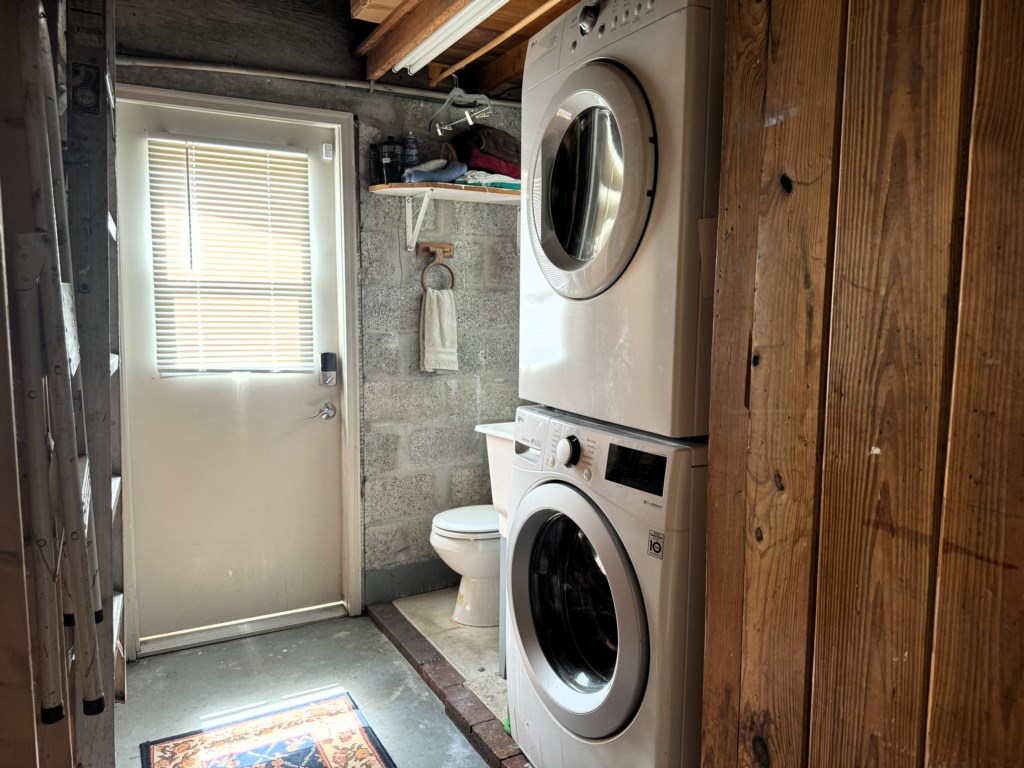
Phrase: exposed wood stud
pixel 552 6
pixel 412 29
pixel 887 399
pixel 505 69
pixel 976 710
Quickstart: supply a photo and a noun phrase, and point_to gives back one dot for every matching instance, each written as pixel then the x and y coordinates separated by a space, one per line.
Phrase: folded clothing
pixel 447 173
pixel 428 166
pixel 481 161
pixel 484 179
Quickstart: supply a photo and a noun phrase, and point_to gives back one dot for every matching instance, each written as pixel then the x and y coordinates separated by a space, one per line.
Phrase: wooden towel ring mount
pixel 437 253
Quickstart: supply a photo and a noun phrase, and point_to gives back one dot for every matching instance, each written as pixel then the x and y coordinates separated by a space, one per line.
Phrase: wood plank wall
pixel 866 479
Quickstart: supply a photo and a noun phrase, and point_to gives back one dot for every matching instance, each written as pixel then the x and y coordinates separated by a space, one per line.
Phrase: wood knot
pixel 787 183
pixel 778 482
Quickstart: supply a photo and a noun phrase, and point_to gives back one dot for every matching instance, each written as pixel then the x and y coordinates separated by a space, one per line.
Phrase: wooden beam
pixel 779 200
pixel 384 28
pixel 746 59
pixel 415 27
pixel 905 119
pixel 504 69
pixel 552 7
pixel 788 349
pixel 976 712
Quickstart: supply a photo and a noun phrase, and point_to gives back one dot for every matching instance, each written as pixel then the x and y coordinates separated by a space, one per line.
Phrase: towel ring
pixel 437 253
pixel 423 274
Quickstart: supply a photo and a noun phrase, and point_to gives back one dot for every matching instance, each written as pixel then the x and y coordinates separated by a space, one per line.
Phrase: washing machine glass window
pixel 593 180
pixel 577 611
pixel 572 606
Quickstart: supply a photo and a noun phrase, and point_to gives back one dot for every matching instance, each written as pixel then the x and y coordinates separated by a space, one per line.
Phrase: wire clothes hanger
pixel 481 107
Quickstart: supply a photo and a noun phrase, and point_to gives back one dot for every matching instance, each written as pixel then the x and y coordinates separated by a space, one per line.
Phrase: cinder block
pixel 445 446
pixel 380 354
pixel 487 309
pixel 485 220
pixel 470 485
pixel 390 309
pixel 379 258
pixel 469 263
pixel 499 399
pixel 396 543
pixel 391 499
pixel 502 266
pixel 413 401
pixel 463 399
pixel 489 351
pixel 380 453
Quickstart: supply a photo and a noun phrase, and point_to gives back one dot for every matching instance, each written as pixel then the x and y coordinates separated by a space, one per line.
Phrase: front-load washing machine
pixel 621 133
pixel 605 585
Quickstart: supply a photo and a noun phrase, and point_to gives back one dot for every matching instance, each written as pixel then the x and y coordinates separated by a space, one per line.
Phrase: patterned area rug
pixel 331 733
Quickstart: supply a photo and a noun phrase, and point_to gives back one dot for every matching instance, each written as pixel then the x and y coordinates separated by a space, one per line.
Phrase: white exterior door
pixel 231 242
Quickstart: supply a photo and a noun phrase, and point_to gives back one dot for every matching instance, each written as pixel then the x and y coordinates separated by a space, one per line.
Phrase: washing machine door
pixel 577 611
pixel 592 183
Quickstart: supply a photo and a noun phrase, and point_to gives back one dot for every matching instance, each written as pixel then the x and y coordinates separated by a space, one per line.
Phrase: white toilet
pixel 468 540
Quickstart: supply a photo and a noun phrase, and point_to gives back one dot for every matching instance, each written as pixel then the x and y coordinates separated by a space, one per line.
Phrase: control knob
pixel 588 18
pixel 568 451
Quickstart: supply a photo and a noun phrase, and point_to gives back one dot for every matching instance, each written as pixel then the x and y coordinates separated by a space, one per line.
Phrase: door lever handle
pixel 327 411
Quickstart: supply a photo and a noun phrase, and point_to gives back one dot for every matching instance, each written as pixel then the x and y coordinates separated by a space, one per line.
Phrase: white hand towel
pixel 439 345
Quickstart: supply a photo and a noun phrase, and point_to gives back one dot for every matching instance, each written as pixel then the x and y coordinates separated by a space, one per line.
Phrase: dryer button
pixel 587 474
pixel 551 461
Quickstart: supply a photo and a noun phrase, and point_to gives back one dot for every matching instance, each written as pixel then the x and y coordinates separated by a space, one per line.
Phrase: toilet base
pixel 477 603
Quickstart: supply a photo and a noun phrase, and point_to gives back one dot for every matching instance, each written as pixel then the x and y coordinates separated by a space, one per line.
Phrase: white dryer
pixel 621 133
pixel 605 584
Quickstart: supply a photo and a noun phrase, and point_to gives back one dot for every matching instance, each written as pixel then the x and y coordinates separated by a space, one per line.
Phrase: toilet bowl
pixel 467 539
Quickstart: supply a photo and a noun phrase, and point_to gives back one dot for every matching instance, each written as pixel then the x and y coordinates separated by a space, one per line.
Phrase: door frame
pixel 346 183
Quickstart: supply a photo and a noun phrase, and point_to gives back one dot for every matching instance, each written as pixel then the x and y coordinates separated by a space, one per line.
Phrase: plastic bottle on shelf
pixel 391 161
pixel 411 151
pixel 376 176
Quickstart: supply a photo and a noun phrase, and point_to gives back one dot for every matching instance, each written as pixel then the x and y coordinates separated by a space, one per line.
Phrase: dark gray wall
pixel 420 452
pixel 309 36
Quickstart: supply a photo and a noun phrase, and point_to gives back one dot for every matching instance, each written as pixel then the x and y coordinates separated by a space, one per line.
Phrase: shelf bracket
pixel 412 233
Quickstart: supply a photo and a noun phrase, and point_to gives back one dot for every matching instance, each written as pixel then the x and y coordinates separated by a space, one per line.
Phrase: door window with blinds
pixel 231 256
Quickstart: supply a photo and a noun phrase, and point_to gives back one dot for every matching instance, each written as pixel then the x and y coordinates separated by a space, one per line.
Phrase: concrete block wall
pixel 421 454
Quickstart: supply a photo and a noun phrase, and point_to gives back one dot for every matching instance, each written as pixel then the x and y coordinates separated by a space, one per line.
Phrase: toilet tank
pixel 500 438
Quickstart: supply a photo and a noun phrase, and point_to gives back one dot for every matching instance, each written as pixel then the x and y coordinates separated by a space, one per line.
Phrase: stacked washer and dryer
pixel 605 569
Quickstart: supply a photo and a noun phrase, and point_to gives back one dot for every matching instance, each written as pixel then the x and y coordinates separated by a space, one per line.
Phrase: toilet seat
pixel 479 521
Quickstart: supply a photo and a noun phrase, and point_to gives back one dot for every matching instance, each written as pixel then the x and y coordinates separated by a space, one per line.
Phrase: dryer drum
pixel 577 611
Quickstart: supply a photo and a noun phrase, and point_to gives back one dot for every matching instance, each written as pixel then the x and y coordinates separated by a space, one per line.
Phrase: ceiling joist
pixel 506 68
pixel 412 29
pixel 531 17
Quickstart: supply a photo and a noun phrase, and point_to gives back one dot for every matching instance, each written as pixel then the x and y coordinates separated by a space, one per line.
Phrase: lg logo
pixel 655 544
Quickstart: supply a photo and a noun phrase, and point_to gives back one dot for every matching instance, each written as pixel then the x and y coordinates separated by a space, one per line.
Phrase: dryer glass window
pixel 572 606
pixel 586 183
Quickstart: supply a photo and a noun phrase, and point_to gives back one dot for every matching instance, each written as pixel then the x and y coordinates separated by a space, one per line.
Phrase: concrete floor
pixel 473 651
pixel 179 692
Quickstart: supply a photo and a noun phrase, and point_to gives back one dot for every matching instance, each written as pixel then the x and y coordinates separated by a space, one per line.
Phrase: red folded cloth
pixel 480 161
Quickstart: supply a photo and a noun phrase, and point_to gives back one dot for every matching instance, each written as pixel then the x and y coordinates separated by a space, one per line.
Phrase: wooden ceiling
pixel 498 71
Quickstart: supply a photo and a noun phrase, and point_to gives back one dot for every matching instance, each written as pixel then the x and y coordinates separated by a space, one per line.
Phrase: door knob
pixel 327 411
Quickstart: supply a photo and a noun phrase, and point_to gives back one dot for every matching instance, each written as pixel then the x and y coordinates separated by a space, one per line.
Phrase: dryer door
pixel 577 611
pixel 592 184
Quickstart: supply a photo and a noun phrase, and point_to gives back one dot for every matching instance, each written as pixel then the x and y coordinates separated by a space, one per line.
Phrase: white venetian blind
pixel 231 257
